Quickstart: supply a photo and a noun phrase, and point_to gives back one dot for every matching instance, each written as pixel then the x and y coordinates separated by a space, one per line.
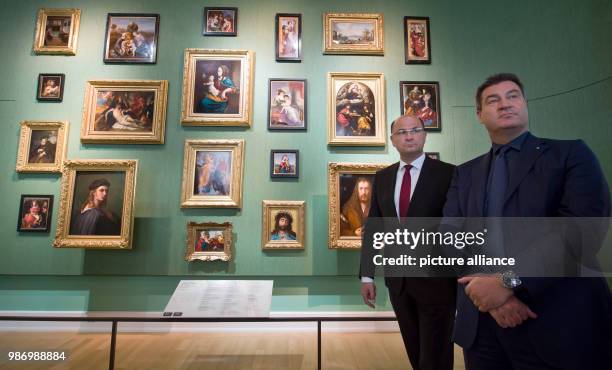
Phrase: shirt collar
pixel 516 144
pixel 417 163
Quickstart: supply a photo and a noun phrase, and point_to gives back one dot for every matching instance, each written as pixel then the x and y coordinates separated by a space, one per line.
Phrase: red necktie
pixel 404 202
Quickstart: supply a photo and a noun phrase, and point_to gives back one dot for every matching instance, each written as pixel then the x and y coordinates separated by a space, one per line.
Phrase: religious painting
pixel 283 224
pixel 124 112
pixel 97 204
pixel 287 104
pixel 209 241
pixel 35 213
pixel 288 38
pixel 131 38
pixel 353 33
pixel 416 40
pixel 57 31
pixel 217 87
pixel 220 21
pixel 50 87
pixel 284 163
pixel 350 194
pixel 42 146
pixel 212 174
pixel 356 109
pixel 433 155
pixel 422 98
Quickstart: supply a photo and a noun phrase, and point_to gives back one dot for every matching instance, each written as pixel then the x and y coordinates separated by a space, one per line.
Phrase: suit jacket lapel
pixel 479 184
pixel 389 191
pixel 518 168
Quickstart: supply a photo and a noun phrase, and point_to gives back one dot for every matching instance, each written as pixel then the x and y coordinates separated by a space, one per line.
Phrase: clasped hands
pixel 489 295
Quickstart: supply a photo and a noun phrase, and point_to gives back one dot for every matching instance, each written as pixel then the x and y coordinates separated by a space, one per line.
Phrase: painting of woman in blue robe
pixel 217 89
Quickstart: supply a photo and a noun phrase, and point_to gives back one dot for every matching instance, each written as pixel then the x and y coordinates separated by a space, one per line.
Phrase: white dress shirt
pixel 415 172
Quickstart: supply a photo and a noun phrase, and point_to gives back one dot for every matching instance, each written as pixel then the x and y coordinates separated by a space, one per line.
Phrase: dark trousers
pixel 496 348
pixel 426 327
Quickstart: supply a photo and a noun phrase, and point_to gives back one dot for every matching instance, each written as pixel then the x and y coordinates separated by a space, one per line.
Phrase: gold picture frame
pixel 53 34
pixel 124 111
pixel 217 237
pixel 89 221
pixel 42 146
pixel 353 33
pixel 217 87
pixel 212 174
pixel 356 109
pixel 291 237
pixel 344 183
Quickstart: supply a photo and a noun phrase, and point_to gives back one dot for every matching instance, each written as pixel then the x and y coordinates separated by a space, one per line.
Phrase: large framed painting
pixel 124 112
pixel 131 38
pixel 353 33
pixel 220 21
pixel 217 87
pixel 57 31
pixel 96 204
pixel 416 40
pixel 212 174
pixel 50 87
pixel 284 163
pixel 209 241
pixel 35 213
pixel 356 109
pixel 422 98
pixel 283 224
pixel 349 187
pixel 42 146
pixel 288 40
pixel 287 104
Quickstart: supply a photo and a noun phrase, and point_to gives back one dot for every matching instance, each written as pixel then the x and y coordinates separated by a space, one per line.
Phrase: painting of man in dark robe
pixel 93 206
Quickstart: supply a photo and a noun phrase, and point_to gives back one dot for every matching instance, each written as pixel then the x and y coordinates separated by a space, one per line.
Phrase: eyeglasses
pixel 412 131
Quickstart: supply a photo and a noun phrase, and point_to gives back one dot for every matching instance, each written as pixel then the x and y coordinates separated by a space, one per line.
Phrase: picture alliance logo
pixel 412 239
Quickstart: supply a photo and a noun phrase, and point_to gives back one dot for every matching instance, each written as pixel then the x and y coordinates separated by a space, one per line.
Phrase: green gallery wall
pixel 560 49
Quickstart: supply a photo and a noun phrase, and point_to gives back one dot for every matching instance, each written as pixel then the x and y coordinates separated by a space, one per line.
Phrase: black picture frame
pixel 277 49
pixel 23 212
pixel 206 31
pixel 274 174
pixel 43 78
pixel 130 47
pixel 412 59
pixel 427 108
pixel 271 103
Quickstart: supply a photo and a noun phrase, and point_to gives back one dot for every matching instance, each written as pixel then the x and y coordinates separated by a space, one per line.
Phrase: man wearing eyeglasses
pixel 416 186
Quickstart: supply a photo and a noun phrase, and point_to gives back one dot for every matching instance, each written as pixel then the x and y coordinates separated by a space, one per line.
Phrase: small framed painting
pixel 57 31
pixel 416 40
pixel 286 104
pixel 209 241
pixel 42 146
pixel 288 39
pixel 50 87
pixel 284 163
pixel 422 98
pixel 220 21
pixel 283 224
pixel 35 213
pixel 353 33
pixel 131 38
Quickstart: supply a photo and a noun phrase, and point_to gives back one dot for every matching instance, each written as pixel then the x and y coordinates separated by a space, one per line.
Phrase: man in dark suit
pixel 505 321
pixel 414 187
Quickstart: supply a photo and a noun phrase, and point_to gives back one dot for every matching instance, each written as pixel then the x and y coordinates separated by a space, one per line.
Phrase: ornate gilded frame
pixel 25 138
pixel 123 241
pixel 41 21
pixel 329 47
pixel 193 228
pixel 234 199
pixel 336 241
pixel 156 136
pixel 267 207
pixel 244 115
pixel 376 83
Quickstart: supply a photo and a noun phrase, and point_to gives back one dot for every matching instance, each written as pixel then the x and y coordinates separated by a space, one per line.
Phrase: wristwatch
pixel 510 280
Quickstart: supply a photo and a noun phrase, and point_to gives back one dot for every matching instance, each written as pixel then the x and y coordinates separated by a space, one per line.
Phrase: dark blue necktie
pixel 496 194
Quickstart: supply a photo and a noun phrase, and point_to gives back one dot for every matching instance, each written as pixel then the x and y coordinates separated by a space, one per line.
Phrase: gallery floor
pixel 213 351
